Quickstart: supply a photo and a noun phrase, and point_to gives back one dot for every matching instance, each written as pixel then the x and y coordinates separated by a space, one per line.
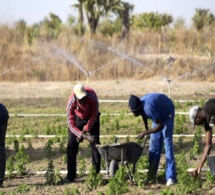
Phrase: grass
pixel 28 63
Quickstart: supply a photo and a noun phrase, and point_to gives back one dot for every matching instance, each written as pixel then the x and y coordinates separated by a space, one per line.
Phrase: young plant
pixel 186 183
pixel 210 178
pixel 21 159
pixel 166 191
pixel 16 145
pixel 48 148
pixel 71 191
pixel 197 141
pixel 30 147
pixel 118 184
pixel 10 167
pixel 93 180
pixel 82 166
pixel 181 142
pixel 142 165
pixel 23 188
pixel 52 177
pixel 62 148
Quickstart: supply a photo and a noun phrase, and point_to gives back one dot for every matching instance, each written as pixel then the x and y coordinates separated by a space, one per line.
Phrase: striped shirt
pixel 87 111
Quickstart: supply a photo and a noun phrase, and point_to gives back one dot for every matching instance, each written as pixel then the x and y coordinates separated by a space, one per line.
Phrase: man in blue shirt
pixel 160 109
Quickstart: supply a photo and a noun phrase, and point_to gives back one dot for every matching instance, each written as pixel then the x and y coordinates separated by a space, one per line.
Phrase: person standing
pixel 4 116
pixel 160 109
pixel 204 116
pixel 83 119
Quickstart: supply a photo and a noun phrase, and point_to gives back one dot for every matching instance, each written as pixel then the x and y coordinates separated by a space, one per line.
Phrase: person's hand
pixel 213 140
pixel 85 128
pixel 196 172
pixel 89 138
pixel 141 135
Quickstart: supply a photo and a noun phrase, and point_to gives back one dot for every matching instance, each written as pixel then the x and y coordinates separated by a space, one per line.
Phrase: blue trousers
pixel 155 148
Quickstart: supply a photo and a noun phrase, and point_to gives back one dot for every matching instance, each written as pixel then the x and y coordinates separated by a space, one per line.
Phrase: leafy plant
pixel 23 188
pixel 16 145
pixel 118 184
pixel 210 178
pixel 197 140
pixel 52 177
pixel 82 166
pixel 181 142
pixel 10 167
pixel 21 158
pixel 186 183
pixel 62 148
pixel 93 180
pixel 48 148
pixel 71 191
pixel 166 191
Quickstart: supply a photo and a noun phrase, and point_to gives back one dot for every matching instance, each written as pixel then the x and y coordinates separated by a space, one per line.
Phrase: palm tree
pixel 79 6
pixel 95 9
pixel 53 25
pixel 123 10
pixel 202 18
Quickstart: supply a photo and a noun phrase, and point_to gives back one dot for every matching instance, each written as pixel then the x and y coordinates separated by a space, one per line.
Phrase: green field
pixel 26 155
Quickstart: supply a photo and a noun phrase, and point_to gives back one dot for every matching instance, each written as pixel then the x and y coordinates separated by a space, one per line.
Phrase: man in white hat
pixel 204 116
pixel 83 123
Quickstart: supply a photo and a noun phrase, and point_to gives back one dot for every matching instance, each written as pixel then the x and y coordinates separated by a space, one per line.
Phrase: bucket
pixel 211 163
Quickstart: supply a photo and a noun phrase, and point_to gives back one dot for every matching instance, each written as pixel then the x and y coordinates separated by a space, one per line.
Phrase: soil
pixel 120 89
pixel 109 89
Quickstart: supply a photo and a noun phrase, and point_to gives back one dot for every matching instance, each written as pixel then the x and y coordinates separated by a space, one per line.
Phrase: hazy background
pixel 33 11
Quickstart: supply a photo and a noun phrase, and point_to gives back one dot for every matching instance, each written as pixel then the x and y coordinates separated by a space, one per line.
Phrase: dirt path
pixel 116 88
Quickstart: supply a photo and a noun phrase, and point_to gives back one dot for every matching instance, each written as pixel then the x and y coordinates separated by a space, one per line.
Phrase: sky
pixel 34 11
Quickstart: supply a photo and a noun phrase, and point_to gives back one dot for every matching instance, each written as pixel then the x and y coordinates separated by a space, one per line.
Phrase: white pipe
pixel 101 136
pixel 126 101
pixel 103 114
pixel 64 172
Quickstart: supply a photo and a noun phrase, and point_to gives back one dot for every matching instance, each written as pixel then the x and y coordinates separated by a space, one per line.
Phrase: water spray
pixel 17 66
pixel 122 55
pixel 72 58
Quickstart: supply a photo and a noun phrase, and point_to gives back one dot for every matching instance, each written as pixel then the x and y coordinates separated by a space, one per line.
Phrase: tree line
pixel 111 16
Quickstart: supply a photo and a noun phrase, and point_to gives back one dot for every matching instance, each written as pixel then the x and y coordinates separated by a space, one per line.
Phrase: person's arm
pixel 156 129
pixel 93 104
pixel 208 143
pixel 145 122
pixel 71 116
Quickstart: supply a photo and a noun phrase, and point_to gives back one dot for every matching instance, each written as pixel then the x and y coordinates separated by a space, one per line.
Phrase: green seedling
pixel 52 177
pixel 21 159
pixel 118 184
pixel 93 180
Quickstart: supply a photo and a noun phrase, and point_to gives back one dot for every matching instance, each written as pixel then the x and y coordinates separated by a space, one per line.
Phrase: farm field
pixel 51 97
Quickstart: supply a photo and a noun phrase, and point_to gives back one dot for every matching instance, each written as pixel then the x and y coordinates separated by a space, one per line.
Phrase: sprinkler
pixel 170 60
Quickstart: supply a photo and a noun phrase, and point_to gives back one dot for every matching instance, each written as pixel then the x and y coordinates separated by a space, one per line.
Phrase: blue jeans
pixel 155 148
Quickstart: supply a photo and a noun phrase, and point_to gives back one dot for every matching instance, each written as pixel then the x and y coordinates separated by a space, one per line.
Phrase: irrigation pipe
pixel 103 114
pixel 126 101
pixel 101 136
pixel 64 172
